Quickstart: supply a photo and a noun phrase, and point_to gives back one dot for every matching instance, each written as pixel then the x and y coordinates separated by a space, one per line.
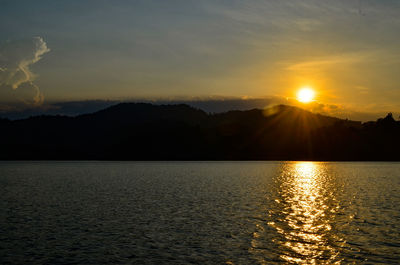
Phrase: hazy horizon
pixel 209 105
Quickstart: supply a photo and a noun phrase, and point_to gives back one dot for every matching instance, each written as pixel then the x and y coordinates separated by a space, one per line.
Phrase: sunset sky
pixel 347 51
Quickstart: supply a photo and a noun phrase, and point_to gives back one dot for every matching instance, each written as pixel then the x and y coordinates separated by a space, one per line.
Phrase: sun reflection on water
pixel 300 216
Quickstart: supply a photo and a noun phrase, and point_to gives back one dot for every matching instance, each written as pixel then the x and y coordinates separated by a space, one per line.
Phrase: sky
pixel 348 51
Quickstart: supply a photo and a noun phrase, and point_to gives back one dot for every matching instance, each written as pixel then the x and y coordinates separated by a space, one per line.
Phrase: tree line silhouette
pixel 141 131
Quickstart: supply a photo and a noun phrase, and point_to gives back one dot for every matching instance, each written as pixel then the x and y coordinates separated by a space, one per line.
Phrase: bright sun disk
pixel 305 95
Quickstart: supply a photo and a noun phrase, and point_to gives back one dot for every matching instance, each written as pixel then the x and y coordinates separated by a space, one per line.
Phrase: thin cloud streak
pixel 16 57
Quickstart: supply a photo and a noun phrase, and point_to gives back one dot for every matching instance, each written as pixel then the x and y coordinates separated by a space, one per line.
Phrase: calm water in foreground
pixel 199 213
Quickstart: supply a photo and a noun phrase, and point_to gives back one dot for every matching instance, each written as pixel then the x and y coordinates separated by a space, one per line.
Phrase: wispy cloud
pixel 333 60
pixel 16 57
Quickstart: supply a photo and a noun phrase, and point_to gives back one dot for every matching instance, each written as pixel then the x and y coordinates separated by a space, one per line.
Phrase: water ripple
pixel 199 213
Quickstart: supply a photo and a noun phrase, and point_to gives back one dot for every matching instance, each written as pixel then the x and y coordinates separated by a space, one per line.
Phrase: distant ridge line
pixel 143 131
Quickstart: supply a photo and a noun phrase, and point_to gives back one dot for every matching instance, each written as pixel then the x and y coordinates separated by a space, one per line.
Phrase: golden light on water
pixel 306 218
pixel 305 95
pixel 300 215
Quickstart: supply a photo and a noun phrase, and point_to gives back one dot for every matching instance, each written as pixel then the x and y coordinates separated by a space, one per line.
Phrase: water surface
pixel 199 213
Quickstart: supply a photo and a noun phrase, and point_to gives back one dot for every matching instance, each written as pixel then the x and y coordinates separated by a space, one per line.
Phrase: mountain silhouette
pixel 141 131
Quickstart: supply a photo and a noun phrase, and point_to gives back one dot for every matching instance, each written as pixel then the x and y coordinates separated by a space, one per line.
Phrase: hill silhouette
pixel 141 131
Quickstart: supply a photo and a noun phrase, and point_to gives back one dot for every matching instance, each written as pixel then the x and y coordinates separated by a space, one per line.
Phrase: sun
pixel 305 95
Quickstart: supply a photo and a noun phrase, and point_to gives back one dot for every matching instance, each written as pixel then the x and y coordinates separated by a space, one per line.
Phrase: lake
pixel 199 212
